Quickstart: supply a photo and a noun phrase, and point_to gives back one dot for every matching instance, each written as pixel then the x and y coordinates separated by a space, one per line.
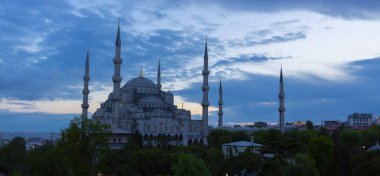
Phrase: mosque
pixel 141 106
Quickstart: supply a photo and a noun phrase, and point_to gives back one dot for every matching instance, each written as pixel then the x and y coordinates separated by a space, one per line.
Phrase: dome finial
pixel 141 73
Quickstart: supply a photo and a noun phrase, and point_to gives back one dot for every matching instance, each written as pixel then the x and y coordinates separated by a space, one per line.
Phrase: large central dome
pixel 140 82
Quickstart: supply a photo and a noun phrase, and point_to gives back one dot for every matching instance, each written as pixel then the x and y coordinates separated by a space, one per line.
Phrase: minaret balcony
pixel 281 109
pixel 85 91
pixel 86 78
pixel 205 72
pixel 205 103
pixel 220 113
pixel 117 61
pixel 205 88
pixel 116 78
pixel 281 96
pixel 85 106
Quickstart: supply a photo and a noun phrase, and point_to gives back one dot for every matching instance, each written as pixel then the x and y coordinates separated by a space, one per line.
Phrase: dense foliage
pixel 82 150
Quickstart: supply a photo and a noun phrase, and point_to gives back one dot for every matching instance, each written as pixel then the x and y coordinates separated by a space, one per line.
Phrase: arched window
pixel 151 137
pixel 145 137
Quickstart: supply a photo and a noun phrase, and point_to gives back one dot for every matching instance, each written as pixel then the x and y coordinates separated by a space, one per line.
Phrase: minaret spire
pixel 85 91
pixel 281 109
pixel 205 88
pixel 220 103
pixel 116 97
pixel 159 74
pixel 118 41
pixel 141 75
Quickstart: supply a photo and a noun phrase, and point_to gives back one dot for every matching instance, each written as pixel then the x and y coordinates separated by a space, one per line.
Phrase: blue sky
pixel 329 51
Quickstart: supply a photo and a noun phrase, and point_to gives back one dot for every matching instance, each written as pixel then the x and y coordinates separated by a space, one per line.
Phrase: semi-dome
pixel 140 82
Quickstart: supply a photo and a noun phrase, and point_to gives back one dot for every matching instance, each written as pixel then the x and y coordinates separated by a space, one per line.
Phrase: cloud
pixel 321 46
pixel 41 106
pixel 268 103
pixel 348 9
pixel 176 34
pixel 194 107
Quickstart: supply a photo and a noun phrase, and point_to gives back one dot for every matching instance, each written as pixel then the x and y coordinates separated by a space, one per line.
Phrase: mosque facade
pixel 141 106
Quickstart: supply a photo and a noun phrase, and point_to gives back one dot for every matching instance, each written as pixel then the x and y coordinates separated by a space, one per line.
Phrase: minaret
pixel 116 97
pixel 281 109
pixel 159 75
pixel 85 91
pixel 205 89
pixel 141 75
pixel 220 102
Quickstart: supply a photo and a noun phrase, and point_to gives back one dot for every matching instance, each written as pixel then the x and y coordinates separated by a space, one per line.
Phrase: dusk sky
pixel 329 51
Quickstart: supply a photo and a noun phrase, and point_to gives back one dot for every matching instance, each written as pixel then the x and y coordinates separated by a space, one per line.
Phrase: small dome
pixel 140 82
pixel 151 99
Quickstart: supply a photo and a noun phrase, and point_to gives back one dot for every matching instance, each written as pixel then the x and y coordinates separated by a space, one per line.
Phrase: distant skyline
pixel 329 51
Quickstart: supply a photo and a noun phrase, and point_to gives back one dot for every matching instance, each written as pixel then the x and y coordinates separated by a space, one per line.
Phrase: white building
pixel 33 143
pixel 236 148
pixel 360 119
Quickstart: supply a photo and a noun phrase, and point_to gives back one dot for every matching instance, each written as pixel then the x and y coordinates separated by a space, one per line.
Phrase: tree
pixel 239 136
pixel 216 161
pixel 270 167
pixel 367 164
pixel 309 125
pixel 321 150
pixel 45 161
pixel 245 163
pixel 13 157
pixel 189 165
pixel 323 131
pixel 351 139
pixel 347 143
pixel 303 138
pixel 82 145
pixel 303 165
pixel 218 136
pixel 152 161
pixel 371 136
